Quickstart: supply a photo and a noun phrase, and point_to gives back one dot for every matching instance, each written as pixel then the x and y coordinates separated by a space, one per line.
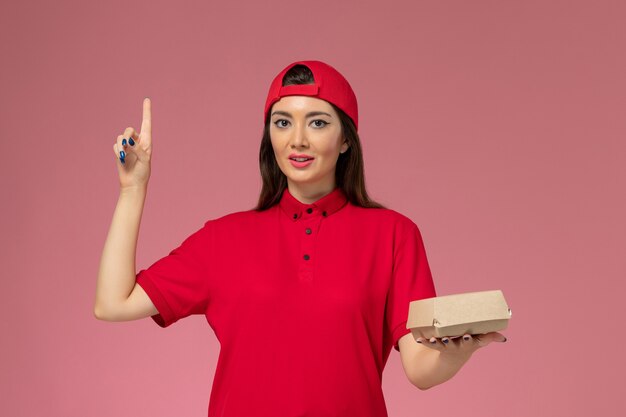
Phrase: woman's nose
pixel 299 135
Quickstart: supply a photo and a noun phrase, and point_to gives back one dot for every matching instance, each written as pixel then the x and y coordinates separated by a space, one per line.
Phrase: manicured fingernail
pixel 446 340
pixel 131 141
pixel 122 154
pixel 466 338
pixel 124 141
pixel 122 160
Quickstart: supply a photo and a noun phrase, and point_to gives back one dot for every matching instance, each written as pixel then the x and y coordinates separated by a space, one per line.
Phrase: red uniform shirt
pixel 306 300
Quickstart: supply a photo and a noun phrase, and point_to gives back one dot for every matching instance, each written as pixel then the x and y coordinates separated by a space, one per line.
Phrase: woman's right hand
pixel 134 167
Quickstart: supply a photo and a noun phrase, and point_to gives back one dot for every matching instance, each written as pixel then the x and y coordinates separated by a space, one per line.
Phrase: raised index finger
pixel 146 123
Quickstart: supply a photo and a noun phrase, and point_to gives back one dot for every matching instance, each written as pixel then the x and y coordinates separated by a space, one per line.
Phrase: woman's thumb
pixel 139 152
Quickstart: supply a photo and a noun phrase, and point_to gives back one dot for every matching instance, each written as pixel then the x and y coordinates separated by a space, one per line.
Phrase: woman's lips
pixel 301 164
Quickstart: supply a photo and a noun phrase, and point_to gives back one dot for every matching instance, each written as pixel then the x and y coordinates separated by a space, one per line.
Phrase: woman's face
pixel 308 126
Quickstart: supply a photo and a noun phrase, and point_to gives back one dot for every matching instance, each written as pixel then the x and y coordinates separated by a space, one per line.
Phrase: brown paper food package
pixel 457 314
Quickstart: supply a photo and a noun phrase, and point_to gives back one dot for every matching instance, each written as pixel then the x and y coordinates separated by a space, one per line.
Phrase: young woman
pixel 309 291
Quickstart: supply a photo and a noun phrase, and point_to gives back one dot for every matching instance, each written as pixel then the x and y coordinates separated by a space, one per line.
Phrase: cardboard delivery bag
pixel 457 314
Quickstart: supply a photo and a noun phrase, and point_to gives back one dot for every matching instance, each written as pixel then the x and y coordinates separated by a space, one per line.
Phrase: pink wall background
pixel 497 126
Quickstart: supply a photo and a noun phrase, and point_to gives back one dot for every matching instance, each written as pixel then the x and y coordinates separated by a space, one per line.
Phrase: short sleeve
pixel 411 280
pixel 178 284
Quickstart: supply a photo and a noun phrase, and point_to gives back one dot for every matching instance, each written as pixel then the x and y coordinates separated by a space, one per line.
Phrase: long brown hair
pixel 349 174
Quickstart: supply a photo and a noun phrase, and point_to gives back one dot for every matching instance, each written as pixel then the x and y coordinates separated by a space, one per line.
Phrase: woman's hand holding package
pixel 461 347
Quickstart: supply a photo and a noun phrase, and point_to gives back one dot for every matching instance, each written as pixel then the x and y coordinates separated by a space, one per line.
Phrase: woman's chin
pixel 302 179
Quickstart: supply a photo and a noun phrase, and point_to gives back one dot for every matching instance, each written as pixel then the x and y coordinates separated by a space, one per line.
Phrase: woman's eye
pixel 316 123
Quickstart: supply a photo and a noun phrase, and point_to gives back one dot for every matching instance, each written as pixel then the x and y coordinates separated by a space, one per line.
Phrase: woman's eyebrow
pixel 309 114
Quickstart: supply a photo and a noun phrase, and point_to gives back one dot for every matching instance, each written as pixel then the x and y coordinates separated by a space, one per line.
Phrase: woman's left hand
pixel 461 347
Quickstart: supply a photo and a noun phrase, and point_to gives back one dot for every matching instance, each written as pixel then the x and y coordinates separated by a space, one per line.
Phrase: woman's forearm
pixel 433 367
pixel 116 275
